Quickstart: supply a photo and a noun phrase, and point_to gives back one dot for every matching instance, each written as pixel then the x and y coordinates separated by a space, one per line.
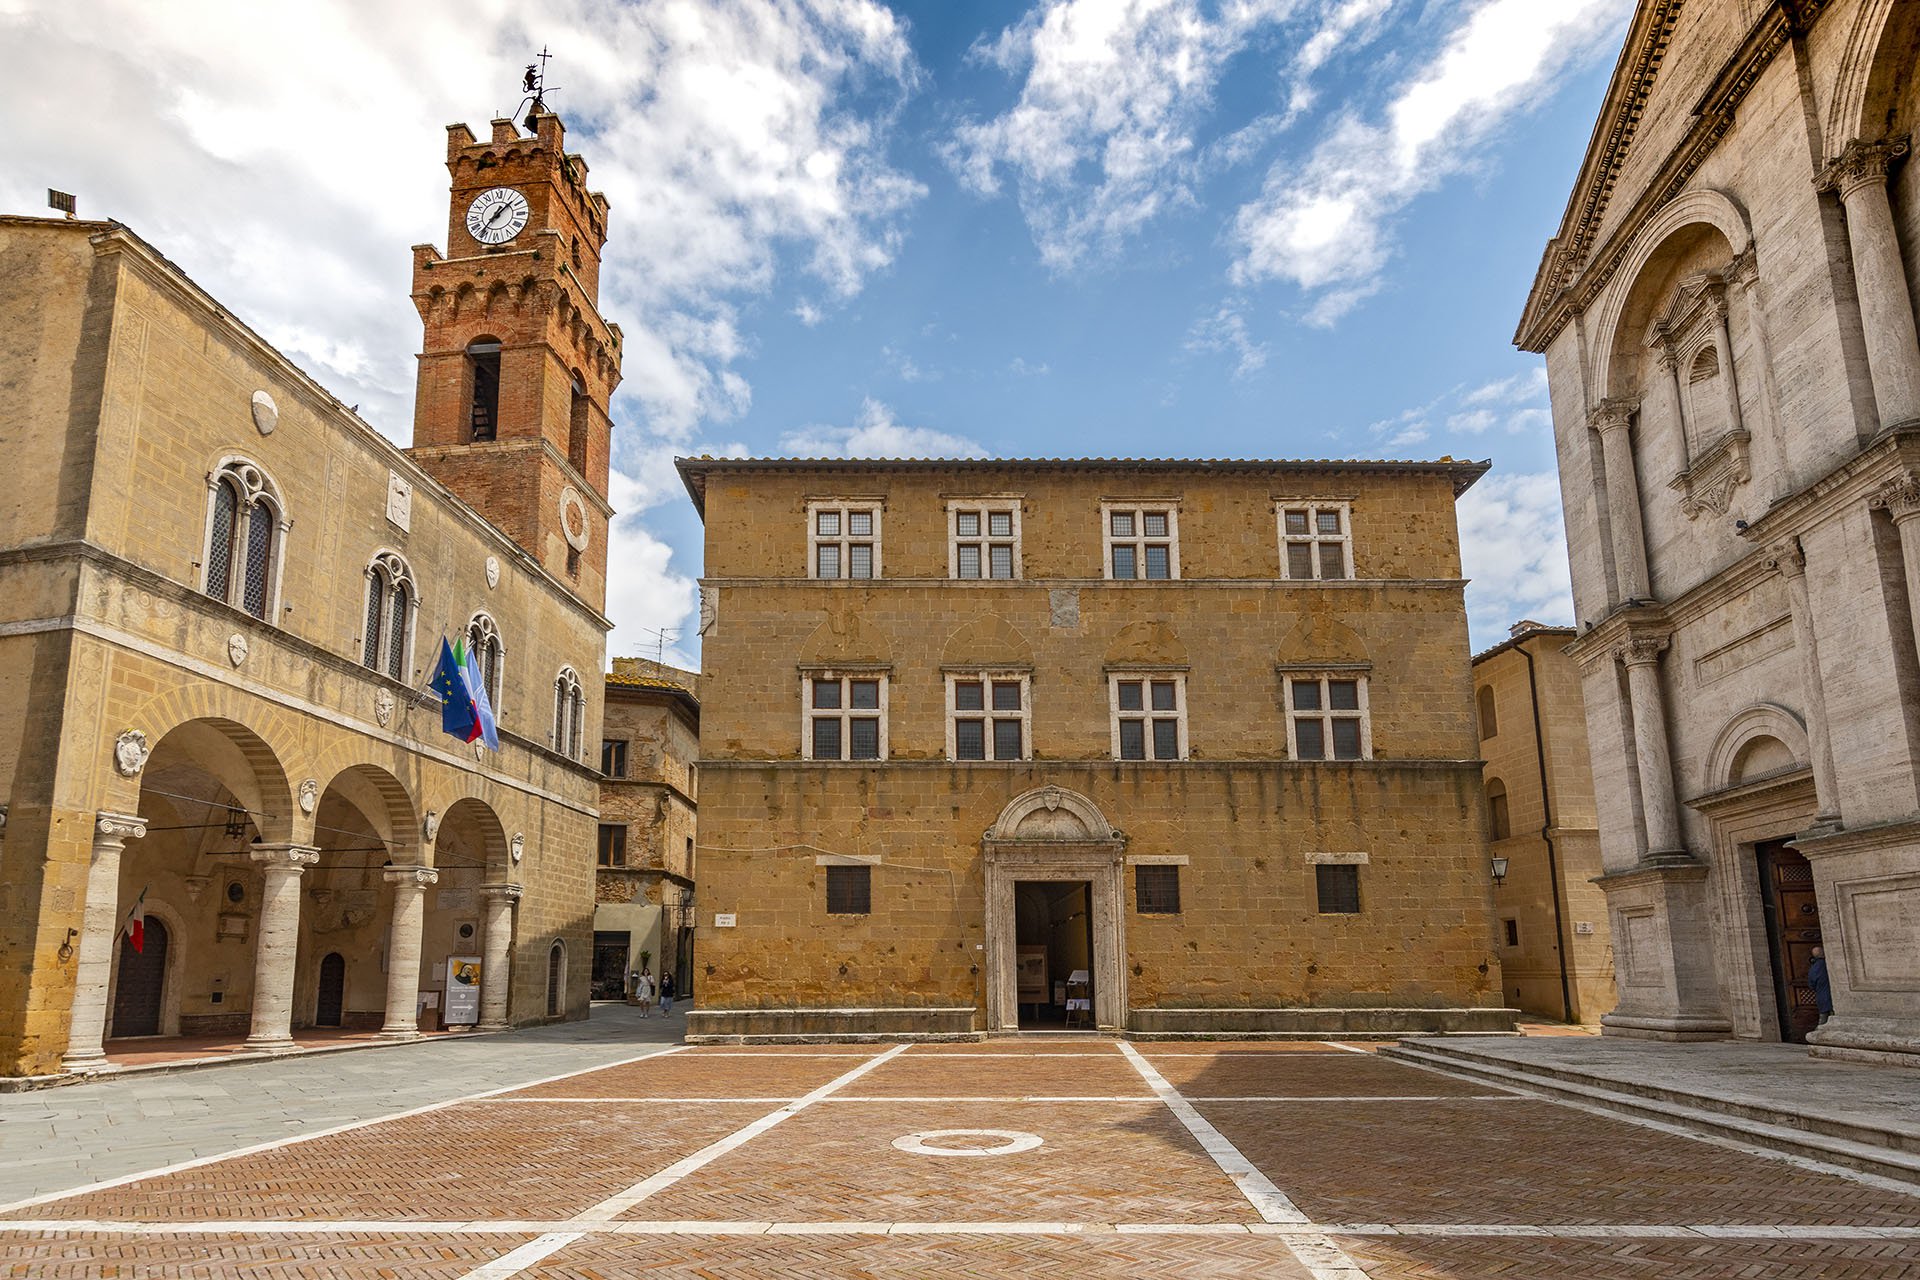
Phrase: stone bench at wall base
pixel 1315 1023
pixel 723 1026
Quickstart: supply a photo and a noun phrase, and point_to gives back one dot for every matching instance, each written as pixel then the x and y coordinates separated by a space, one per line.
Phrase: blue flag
pixel 482 709
pixel 459 713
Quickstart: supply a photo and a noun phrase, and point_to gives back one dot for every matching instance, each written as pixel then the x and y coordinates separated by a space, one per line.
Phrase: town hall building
pixel 222 594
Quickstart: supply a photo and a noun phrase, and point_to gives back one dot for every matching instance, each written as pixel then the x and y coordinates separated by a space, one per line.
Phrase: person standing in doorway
pixel 1821 984
pixel 643 992
pixel 666 994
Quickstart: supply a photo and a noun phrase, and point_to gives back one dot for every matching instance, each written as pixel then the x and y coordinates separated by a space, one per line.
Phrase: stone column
pixel 1729 380
pixel 1886 308
pixel 99 935
pixel 1900 498
pixel 1745 272
pixel 403 949
pixel 277 943
pixel 1612 419
pixel 1791 562
pixel 1651 755
pixel 1668 365
pixel 497 958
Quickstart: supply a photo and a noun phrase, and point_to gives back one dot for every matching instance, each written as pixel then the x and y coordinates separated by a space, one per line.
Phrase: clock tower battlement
pixel 518 367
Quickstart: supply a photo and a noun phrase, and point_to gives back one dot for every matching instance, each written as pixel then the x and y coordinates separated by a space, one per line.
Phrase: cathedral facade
pixel 224 593
pixel 1727 315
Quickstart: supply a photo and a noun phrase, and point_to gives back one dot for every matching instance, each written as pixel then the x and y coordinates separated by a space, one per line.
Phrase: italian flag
pixel 137 923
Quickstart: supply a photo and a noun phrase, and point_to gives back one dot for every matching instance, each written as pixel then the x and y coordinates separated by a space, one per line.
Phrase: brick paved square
pixel 1529 1162
pixel 1116 1162
pixel 1033 1075
pixel 476 1160
pixel 45 1256
pixel 1233 1075
pixel 1536 1258
pixel 840 1257
pixel 696 1075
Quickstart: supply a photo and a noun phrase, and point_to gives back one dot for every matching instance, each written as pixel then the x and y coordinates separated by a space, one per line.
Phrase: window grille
pixel 1156 890
pixel 849 891
pixel 1338 886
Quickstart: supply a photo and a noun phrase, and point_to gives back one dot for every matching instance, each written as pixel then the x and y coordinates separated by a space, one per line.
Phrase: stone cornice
pixel 1885 460
pixel 1123 584
pixel 1103 763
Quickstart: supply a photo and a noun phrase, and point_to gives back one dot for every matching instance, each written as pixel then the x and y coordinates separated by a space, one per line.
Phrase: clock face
pixel 497 215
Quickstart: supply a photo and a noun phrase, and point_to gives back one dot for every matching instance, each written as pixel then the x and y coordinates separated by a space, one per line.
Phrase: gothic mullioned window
pixel 245 524
pixel 483 642
pixel 569 713
pixel 390 611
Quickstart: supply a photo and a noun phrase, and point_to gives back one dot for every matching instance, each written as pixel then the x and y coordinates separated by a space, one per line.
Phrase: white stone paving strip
pixel 1344 1048
pixel 613 1206
pixel 277 1143
pixel 1322 1258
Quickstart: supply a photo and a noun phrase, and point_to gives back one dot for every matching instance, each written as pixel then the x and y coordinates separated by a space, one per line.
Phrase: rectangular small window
pixel 1143 542
pixel 845 717
pixel 1149 717
pixel 1327 717
pixel 613 757
pixel 1339 889
pixel 1316 541
pixel 843 539
pixel 984 538
pixel 1156 890
pixel 613 845
pixel 987 712
pixel 849 891
pixel 1512 929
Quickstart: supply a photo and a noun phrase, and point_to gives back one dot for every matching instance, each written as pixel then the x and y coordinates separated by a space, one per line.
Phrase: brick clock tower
pixel 517 367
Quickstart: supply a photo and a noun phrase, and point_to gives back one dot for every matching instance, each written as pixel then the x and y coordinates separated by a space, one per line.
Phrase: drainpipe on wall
pixel 1546 834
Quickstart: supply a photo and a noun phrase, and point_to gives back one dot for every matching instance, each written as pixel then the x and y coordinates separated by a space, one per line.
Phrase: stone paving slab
pixel 1283 1075
pixel 120 1256
pixel 1126 1163
pixel 695 1075
pixel 1530 1162
pixel 1535 1258
pixel 1041 1074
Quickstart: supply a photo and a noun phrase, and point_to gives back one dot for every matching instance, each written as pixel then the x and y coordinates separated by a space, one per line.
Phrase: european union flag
pixel 459 715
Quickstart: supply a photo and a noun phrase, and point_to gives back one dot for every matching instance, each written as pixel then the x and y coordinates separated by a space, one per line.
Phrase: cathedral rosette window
pixel 246 527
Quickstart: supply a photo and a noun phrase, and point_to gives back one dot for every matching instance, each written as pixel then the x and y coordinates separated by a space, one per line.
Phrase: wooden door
pixel 333 990
pixel 1793 931
pixel 142 984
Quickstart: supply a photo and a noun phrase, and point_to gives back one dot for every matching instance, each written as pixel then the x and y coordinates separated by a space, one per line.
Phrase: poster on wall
pixel 463 991
pixel 1032 975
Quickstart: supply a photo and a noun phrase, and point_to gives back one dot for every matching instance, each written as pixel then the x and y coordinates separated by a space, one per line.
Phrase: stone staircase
pixel 1887 1151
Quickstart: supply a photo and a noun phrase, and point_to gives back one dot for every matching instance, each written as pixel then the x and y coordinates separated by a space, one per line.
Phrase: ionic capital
pixel 1641 651
pixel 411 877
pixel 284 859
pixel 119 826
pixel 1862 164
pixel 510 892
pixel 1898 497
pixel 1788 559
pixel 1614 413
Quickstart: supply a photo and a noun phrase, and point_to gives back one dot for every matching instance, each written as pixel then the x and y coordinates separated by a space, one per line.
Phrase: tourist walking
pixel 1822 985
pixel 643 992
pixel 666 994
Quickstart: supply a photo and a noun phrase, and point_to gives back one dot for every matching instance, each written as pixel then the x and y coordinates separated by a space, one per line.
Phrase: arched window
pixel 577 424
pixel 390 609
pixel 483 641
pixel 245 521
pixel 556 978
pixel 569 710
pixel 483 376
pixel 1502 826
pixel 1489 722
pixel 1706 398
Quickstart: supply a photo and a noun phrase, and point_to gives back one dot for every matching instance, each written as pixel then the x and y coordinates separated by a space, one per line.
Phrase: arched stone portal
pixel 1053 834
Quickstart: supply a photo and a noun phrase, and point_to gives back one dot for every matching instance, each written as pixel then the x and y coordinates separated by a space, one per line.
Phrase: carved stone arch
pixel 845 637
pixel 1149 641
pixel 987 641
pixel 1875 62
pixel 1702 206
pixel 381 799
pixel 1763 720
pixel 1051 813
pixel 1321 639
pixel 203 724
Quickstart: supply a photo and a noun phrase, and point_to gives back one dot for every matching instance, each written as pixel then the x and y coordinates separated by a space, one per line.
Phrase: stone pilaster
pixel 1667 364
pixel 1653 759
pixel 276 943
pixel 403 949
pixel 1729 379
pixel 497 957
pixel 1859 175
pixel 1613 420
pixel 1900 498
pixel 1791 563
pixel 99 934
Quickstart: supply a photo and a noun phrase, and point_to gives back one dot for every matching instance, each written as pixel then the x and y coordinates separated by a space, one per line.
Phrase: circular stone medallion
pixel 1011 1142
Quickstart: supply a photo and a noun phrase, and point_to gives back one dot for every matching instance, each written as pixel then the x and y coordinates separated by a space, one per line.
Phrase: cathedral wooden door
pixel 1793 931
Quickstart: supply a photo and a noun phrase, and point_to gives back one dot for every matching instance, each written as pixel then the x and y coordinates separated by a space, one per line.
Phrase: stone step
pixel 1775 1129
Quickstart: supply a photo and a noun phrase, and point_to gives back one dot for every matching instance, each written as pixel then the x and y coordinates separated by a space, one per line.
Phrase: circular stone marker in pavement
pixel 1014 1141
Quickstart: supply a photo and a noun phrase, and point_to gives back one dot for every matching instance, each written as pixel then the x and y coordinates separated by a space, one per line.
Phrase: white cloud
pixel 1326 224
pixel 1102 137
pixel 1513 548
pixel 877 435
pixel 1021 367
pixel 644 591
pixel 1225 331
pixel 808 314
pixel 286 156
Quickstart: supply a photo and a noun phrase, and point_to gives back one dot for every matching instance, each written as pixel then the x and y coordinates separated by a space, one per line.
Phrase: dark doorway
pixel 1053 942
pixel 333 991
pixel 143 981
pixel 556 974
pixel 1793 931
pixel 610 966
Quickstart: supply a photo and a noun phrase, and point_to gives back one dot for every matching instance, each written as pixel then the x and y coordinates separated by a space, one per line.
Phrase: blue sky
pixel 1111 227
